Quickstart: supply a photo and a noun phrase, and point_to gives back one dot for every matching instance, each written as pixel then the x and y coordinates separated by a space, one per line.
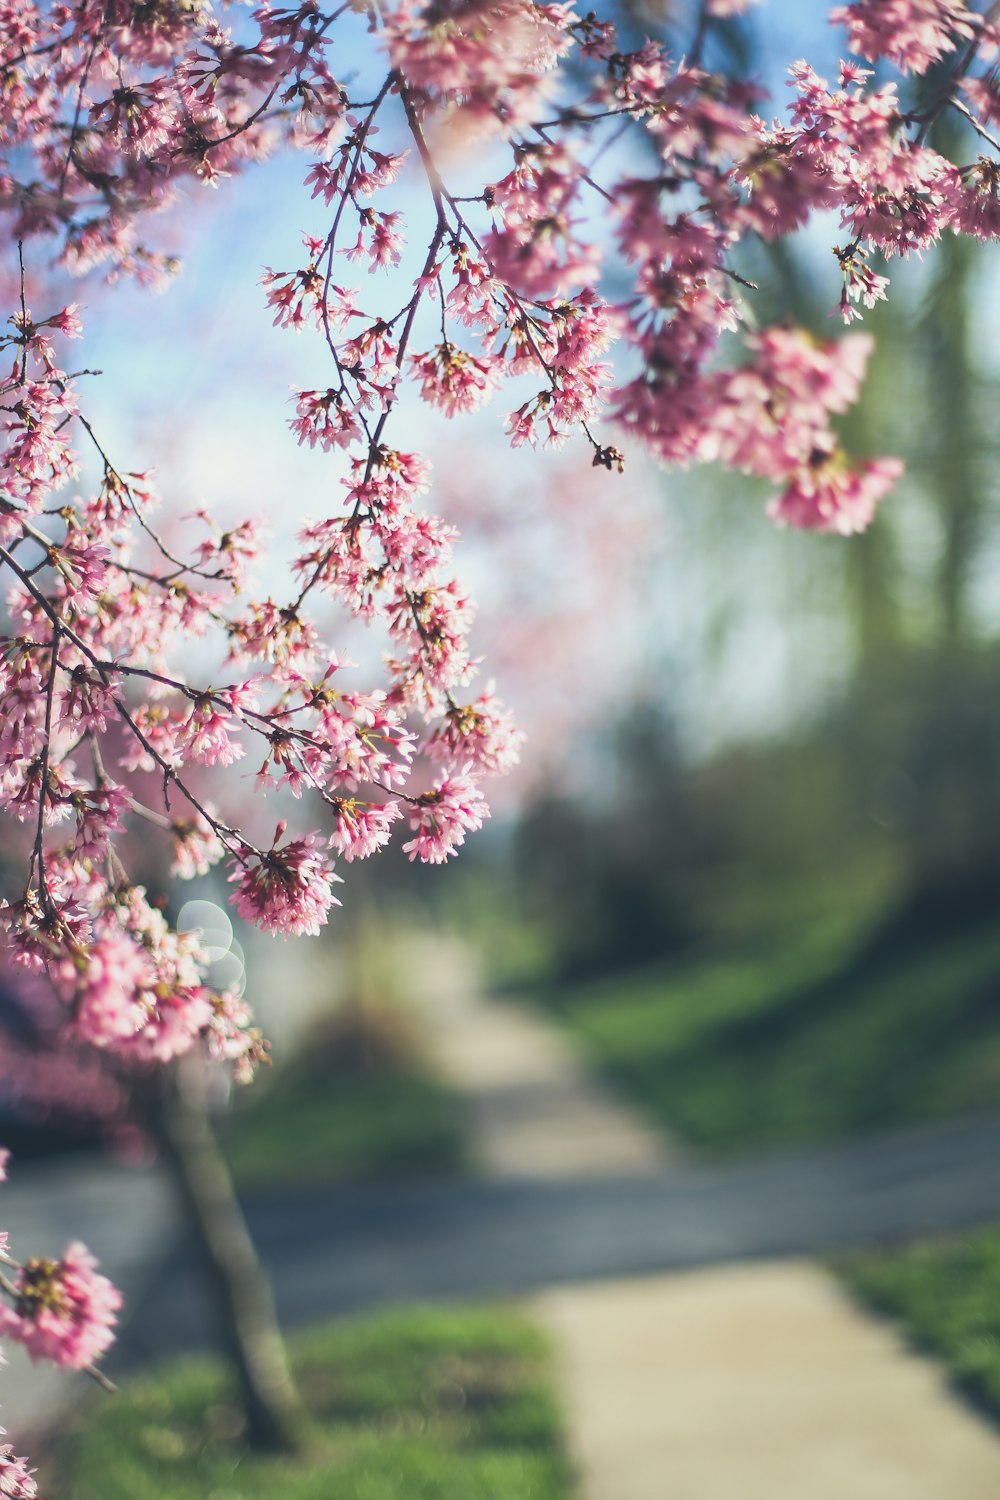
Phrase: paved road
pixel 346 1250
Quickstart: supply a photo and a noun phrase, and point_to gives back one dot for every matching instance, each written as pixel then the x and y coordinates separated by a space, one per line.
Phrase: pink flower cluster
pixel 913 34
pixel 288 889
pixel 480 64
pixel 16 1479
pixel 772 418
pixel 441 817
pixel 63 1311
pixel 107 723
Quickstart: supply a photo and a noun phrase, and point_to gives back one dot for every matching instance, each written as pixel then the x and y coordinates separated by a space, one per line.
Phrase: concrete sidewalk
pixel 764 1382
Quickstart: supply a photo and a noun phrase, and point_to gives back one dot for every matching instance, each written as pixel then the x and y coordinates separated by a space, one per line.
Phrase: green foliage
pixel 946 1295
pixel 417 1404
pixel 811 1041
pixel 359 1100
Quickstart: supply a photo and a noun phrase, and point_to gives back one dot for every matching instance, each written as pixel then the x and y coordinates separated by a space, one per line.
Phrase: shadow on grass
pixel 826 1037
pixel 943 1295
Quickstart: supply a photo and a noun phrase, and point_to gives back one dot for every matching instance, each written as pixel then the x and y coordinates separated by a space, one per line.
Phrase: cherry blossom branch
pixel 234 839
pixel 38 852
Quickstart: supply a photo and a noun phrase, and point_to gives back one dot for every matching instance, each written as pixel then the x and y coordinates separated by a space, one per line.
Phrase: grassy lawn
pixel 811 1041
pixel 358 1101
pixel 946 1295
pixel 422 1404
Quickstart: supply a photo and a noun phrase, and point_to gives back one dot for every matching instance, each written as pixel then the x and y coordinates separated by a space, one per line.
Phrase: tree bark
pixel 248 1325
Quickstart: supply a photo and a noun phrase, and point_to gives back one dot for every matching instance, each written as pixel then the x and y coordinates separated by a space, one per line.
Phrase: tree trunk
pixel 955 469
pixel 242 1292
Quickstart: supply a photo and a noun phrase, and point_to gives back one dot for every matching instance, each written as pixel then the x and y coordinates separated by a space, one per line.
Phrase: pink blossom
pixel 139 119
pixel 230 551
pixel 833 497
pixel 104 989
pixel 536 248
pixel 861 284
pixel 380 238
pixel 772 415
pixel 231 1038
pixel 207 734
pixel 482 732
pixel 911 33
pixel 16 1479
pixel 287 890
pixel 197 847
pixel 36 458
pixel 100 813
pixel 453 380
pixel 327 418
pixel 65 1312
pixel 362 828
pixel 789 176
pixel 89 700
pixel 441 817
pixel 485 61
pixel 975 206
pixel 984 96
pixel 176 1016
pixel 295 295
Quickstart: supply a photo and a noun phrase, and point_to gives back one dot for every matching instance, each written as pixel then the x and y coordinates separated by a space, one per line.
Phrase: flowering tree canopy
pixel 585 192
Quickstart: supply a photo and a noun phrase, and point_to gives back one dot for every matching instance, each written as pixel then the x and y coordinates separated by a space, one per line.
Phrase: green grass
pixel 811 1041
pixel 358 1101
pixel 418 1404
pixel 946 1295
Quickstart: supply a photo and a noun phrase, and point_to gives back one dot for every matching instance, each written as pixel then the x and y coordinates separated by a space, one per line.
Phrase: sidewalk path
pixel 536 1110
pixel 761 1382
